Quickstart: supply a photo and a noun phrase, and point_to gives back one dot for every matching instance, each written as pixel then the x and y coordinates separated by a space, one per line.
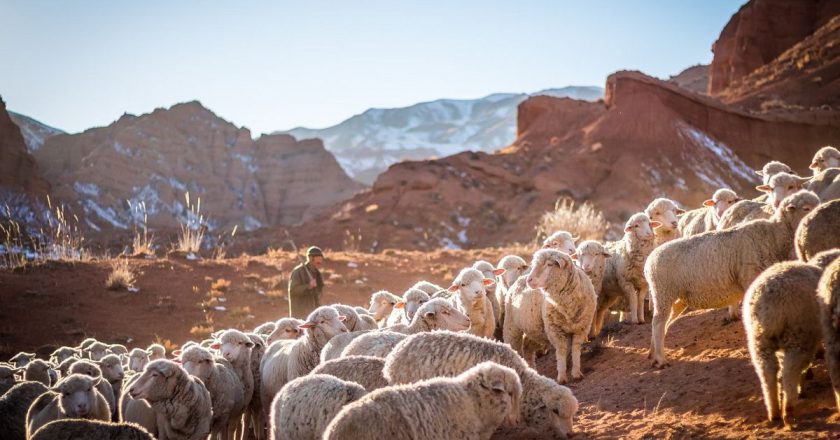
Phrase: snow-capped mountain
pixel 35 133
pixel 366 144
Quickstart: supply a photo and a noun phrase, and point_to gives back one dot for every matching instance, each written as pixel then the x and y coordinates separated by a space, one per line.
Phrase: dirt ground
pixel 709 391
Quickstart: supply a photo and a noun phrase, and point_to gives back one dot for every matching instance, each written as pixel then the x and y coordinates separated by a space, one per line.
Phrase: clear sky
pixel 271 65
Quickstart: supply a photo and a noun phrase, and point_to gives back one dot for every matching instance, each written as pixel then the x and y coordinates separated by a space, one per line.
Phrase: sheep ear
pixel 680 211
pixel 498 272
pixel 216 345
pixel 399 305
pixel 574 256
pixel 545 246
pixel 177 353
pixel 607 254
pixel 791 208
pixel 488 281
pixel 576 238
pixel 760 173
pixel 342 317
pixel 709 202
pixel 813 165
pixel 764 188
pixel 306 325
pixel 804 180
pixel 655 224
pixel 453 288
pixel 628 229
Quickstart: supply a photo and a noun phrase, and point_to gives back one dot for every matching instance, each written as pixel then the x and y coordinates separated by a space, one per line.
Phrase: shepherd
pixel 306 284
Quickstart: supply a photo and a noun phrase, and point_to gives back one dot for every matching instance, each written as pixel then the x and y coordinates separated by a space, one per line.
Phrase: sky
pixel 273 65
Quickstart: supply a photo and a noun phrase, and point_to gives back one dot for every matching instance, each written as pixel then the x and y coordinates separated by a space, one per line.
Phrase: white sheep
pixel 303 409
pixel 92 369
pixel 382 304
pixel 780 311
pixel 825 158
pixel 819 231
pixel 772 168
pixel 136 411
pixel 37 370
pixel 14 404
pixel 182 403
pixel 698 221
pixel 437 314
pixel 265 328
pixel 61 354
pixel 472 298
pixel 156 351
pixel 471 405
pixel 562 241
pixel 514 266
pixel 430 288
pixel 363 370
pixel 8 377
pixel 333 348
pixel 569 306
pixel 227 392
pixel 547 408
pixel 96 351
pixel 714 269
pixel 404 310
pixel 591 257
pixel 74 397
pixel 21 359
pixel 285 328
pixel 91 429
pixel 828 299
pixel 254 411
pixel 376 344
pixel 137 360
pixel 623 274
pixel 113 372
pixel 235 347
pixel 778 187
pixel 493 273
pixel 666 213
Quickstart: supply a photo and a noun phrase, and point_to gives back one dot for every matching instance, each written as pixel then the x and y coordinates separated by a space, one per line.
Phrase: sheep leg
pixel 794 363
pixel 640 309
pixel 631 299
pixel 513 336
pixel 767 367
pixel 560 341
pixel 658 340
pixel 677 309
pixel 832 360
pixel 577 341
pixel 259 428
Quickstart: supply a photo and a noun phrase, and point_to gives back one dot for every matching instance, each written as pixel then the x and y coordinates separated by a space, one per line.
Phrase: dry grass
pixel 352 242
pixel 580 220
pixel 222 242
pixel 192 232
pixel 121 276
pixel 221 285
pixel 142 244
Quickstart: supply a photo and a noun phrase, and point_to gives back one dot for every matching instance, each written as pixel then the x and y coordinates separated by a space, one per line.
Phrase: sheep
pixel 137 360
pixel 285 361
pixel 404 310
pixel 825 184
pixel 85 344
pixel 227 393
pixel 254 411
pixel 523 328
pixel 112 371
pixel 61 354
pixel 64 367
pixel 136 410
pixel 266 328
pixel 363 370
pixel 96 351
pixel 77 429
pixel 698 221
pixel 37 371
pixel 623 272
pixel 591 257
pixel 352 320
pixel 777 188
pixel 569 306
pixel 118 349
pixel 333 348
pixel 471 405
pixel 779 312
pixel 429 288
pixel 74 397
pixel 92 369
pixel 826 157
pixel 21 359
pixel 376 344
pixel 434 315
pixel 182 403
pixel 305 406
pixel 824 258
pixel 7 377
pixel 382 304
pixel 562 241
pixel 13 408
pixel 235 347
pixel 772 168
pixel 818 231
pixel 514 267
pixel 285 328
pixel 715 268
pixel 667 213
pixel 471 288
pixel 491 272
pixel 366 321
pixel 156 351
pixel 547 408
pixel 828 300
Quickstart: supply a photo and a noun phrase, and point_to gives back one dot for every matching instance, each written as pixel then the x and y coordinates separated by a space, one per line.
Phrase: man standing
pixel 306 284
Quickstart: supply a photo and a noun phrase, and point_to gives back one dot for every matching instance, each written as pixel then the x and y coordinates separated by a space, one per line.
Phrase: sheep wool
pixel 698 221
pixel 305 406
pixel 91 429
pixel 819 231
pixel 472 298
pixel 14 405
pixel 363 370
pixel 666 212
pixel 75 397
pixel 227 393
pixel 828 298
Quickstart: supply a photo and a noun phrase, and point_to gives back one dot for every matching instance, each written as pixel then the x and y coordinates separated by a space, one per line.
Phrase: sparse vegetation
pixel 142 243
pixel 192 230
pixel 581 220
pixel 222 242
pixel 352 242
pixel 121 276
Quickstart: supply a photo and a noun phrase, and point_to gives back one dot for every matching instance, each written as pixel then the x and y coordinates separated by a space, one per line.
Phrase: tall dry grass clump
pixel 121 276
pixel 192 230
pixel 63 240
pixel 582 220
pixel 142 244
pixel 222 242
pixel 13 244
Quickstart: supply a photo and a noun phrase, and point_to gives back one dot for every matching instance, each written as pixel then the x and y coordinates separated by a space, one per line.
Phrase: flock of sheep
pixel 458 361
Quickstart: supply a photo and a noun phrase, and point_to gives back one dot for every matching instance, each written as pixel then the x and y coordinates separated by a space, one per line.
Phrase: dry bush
pixel 222 242
pixel 201 331
pixel 580 220
pixel 221 285
pixel 352 242
pixel 121 276
pixel 142 244
pixel 192 230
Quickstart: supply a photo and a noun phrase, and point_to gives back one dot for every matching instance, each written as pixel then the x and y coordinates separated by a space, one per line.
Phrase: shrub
pixel 121 276
pixel 580 220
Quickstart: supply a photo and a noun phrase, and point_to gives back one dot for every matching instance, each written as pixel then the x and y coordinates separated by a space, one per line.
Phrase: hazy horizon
pixel 274 66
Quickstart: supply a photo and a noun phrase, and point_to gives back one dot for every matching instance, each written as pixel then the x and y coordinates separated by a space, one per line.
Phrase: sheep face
pixel 827 157
pixel 7 374
pixel 157 381
pixel 382 304
pixel 413 299
pixel 118 349
pixel 470 284
pixel 266 328
pixel 86 368
pixel 324 323
pixel 514 267
pixel 590 255
pixel 549 266
pixel 487 269
pixel 233 345
pixel 112 369
pixel 21 359
pixel 664 211
pixel 500 385
pixel 640 227
pixel 562 241
pixel 62 354
pixel 440 314
pixel 795 207
pixel 97 351
pixel 137 360
pixel 64 367
pixel 350 316
pixel 781 186
pixel 156 351
pixel 198 362
pixel 77 395
pixel 770 169
pixel 37 366
pixel 287 328
pixel 722 200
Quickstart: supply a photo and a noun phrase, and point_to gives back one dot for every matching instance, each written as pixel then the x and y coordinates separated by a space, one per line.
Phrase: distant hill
pixel 35 133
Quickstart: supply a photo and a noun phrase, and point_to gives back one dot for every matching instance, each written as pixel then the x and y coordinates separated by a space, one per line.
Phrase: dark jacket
pixel 304 298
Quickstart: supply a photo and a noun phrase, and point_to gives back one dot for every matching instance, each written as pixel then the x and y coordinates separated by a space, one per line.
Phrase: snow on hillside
pixel 366 144
pixel 34 133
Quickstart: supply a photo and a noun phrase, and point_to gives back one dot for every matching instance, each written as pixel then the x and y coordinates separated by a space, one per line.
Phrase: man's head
pixel 315 256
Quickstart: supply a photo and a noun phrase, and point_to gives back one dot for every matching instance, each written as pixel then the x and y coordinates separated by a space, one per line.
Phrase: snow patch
pixel 88 189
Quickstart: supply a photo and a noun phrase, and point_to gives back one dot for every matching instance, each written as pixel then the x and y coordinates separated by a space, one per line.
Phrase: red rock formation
pixel 18 170
pixel 760 31
pixel 694 78
pixel 157 157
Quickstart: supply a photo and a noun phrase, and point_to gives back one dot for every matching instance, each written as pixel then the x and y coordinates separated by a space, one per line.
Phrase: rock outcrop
pixel 18 171
pixel 694 78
